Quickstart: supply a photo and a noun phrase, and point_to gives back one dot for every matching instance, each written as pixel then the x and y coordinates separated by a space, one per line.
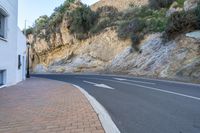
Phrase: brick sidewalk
pixel 46 106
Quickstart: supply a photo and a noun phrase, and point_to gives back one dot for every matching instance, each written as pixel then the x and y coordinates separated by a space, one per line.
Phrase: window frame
pixel 19 62
pixel 5 14
pixel 3 76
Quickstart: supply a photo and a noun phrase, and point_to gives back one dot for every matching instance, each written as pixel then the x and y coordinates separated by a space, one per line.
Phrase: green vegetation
pixel 49 23
pixel 82 20
pixel 180 2
pixel 59 12
pixel 106 17
pixel 158 4
pixel 197 12
pixel 41 23
pixel 181 22
pixel 140 21
pixel 133 23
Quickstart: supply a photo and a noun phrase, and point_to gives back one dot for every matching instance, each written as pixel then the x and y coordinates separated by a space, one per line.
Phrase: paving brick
pixel 46 106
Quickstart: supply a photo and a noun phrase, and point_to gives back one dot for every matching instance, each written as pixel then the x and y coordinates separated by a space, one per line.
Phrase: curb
pixel 105 119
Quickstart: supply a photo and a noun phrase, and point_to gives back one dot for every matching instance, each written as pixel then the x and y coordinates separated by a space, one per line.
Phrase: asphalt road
pixel 139 105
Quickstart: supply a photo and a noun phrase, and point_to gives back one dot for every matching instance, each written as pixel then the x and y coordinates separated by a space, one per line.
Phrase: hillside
pixel 119 4
pixel 138 41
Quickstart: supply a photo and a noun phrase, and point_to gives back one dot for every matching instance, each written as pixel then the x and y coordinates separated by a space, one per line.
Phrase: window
pixel 1 77
pixel 2 24
pixel 19 62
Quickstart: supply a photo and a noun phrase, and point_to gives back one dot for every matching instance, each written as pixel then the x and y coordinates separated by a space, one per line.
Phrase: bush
pixel 157 4
pixel 82 19
pixel 64 7
pixel 107 11
pixel 197 12
pixel 181 22
pixel 59 12
pixel 135 42
pixel 55 19
pixel 156 22
pixel 101 26
pixel 180 3
pixel 41 23
pixel 29 31
pixel 128 28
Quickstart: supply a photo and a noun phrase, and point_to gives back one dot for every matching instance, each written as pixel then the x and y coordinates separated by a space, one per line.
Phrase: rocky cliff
pixel 106 53
pixel 119 4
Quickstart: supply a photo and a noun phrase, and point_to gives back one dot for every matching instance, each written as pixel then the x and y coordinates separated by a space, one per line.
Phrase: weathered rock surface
pixel 78 56
pixel 40 68
pixel 106 53
pixel 119 4
pixel 190 4
pixel 178 59
pixel 168 60
pixel 173 8
pixel 195 34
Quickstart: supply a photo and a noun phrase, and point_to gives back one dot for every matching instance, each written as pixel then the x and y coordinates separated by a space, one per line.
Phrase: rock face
pixel 195 34
pixel 176 59
pixel 106 53
pixel 173 8
pixel 78 56
pixel 190 4
pixel 119 4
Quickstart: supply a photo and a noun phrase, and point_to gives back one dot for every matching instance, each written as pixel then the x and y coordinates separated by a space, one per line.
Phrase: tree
pixel 82 19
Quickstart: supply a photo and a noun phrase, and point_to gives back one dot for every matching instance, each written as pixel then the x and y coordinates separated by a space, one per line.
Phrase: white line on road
pixel 99 85
pixel 169 92
pixel 121 79
pixel 153 88
pixel 106 121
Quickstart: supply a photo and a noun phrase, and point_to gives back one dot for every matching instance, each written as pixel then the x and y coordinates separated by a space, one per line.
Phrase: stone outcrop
pixel 106 53
pixel 168 60
pixel 119 4
pixel 190 4
pixel 194 34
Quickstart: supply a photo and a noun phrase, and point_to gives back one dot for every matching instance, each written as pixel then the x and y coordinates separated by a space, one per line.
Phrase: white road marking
pixel 169 92
pixel 121 79
pixel 153 88
pixel 99 85
pixel 106 121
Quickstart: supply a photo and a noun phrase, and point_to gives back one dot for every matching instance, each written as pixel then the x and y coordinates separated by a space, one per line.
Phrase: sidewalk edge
pixel 106 121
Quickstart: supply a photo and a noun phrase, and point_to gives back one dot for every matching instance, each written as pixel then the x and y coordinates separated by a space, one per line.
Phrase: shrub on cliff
pixel 181 22
pixel 107 11
pixel 57 16
pixel 157 4
pixel 101 25
pixel 82 19
pixel 128 28
pixel 197 12
pixel 138 21
pixel 41 23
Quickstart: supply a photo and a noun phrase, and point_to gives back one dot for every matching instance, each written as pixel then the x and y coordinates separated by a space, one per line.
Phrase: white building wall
pixel 21 50
pixel 8 46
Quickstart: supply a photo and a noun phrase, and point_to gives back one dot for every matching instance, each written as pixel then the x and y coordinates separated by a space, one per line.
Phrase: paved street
pixel 46 106
pixel 139 105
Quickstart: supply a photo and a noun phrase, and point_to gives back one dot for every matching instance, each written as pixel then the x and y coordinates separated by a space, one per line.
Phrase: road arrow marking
pixel 143 82
pixel 99 85
pixel 120 79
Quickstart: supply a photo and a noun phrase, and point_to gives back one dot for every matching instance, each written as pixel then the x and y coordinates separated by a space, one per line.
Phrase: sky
pixel 30 10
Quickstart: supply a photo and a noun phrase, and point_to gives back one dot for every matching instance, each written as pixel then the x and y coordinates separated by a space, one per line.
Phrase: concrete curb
pixel 106 121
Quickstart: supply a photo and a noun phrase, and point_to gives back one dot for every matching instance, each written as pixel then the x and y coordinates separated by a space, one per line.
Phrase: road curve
pixel 139 105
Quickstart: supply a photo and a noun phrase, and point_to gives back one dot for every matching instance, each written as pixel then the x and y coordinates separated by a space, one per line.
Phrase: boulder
pixel 195 34
pixel 190 4
pixel 192 70
pixel 173 8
